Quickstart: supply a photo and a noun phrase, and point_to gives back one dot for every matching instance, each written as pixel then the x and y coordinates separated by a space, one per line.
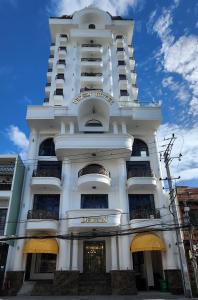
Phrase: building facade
pixel 187 200
pixel 93 204
pixel 11 183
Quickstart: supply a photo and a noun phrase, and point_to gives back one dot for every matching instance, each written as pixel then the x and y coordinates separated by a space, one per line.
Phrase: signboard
pixel 87 94
pixel 99 219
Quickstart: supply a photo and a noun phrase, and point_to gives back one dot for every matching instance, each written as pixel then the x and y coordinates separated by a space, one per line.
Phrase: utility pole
pixel 182 258
pixel 193 247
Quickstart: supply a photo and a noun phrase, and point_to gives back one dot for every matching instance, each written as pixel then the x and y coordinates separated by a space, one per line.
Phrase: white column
pixel 115 128
pixel 71 127
pixel 124 244
pixel 114 265
pixel 62 127
pixel 18 256
pixel 75 256
pixel 64 253
pixel 149 268
pixel 124 129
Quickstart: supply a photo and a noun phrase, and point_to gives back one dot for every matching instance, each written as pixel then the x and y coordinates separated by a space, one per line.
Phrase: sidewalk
pixel 140 296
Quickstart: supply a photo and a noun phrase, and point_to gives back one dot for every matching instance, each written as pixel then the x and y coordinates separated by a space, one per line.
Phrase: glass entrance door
pixel 94 257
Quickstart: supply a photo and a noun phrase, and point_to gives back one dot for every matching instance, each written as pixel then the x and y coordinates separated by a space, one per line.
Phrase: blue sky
pixel 166 54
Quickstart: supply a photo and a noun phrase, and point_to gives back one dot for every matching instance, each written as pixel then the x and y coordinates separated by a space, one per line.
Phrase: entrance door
pixel 94 257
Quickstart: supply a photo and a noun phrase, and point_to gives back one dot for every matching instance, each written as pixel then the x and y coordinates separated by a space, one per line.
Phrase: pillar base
pixel 66 282
pixel 13 283
pixel 174 281
pixel 123 282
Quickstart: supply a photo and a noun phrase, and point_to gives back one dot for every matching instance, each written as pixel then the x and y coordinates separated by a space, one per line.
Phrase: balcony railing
pixel 47 172
pixel 139 173
pixel 92 45
pixel 91 59
pixel 91 74
pixel 145 214
pixel 93 170
pixel 42 214
pixel 89 89
pixel 6 169
pixel 5 186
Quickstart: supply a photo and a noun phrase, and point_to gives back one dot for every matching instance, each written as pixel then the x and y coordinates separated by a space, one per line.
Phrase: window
pixel 92 26
pixel 47 148
pixel 58 92
pixel 94 201
pixel 121 63
pixel 122 77
pixel 3 214
pixel 120 49
pixel 124 93
pixel 60 76
pixel 140 148
pixel 61 61
pixel 93 123
pixel 138 169
pixel 119 37
pixel 45 263
pixel 47 203
pixel 141 201
pixel 48 169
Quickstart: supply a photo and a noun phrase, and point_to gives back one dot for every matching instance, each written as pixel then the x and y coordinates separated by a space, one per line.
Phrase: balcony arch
pixel 93 112
pixel 94 175
pixel 47 148
pixel 140 148
pixel 91 15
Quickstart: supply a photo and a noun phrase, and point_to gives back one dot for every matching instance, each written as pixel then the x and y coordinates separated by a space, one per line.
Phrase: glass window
pixel 47 148
pixel 138 169
pixel 45 263
pixel 3 214
pixel 92 26
pixel 94 201
pixel 141 201
pixel 140 148
pixel 48 203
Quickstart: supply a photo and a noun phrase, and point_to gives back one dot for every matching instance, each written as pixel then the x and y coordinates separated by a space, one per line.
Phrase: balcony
pixel 49 74
pixel 48 88
pixel 94 175
pixel 52 48
pixel 141 178
pixel 85 89
pixel 87 48
pixel 62 51
pixel 61 64
pixel 84 35
pixel 58 96
pixel 81 219
pixel 51 59
pixel 141 218
pixel 42 220
pixel 60 80
pixel 5 190
pixel 91 77
pixel 95 62
pixel 63 39
pixel 48 177
pixel 116 145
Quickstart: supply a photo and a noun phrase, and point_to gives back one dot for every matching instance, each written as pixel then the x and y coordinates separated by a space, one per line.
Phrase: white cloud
pixel 178 56
pixel 196 25
pixel 180 89
pixel 186 144
pixel 114 7
pixel 19 139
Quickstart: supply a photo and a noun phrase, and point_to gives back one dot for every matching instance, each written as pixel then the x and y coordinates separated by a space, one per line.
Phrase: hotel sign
pixel 99 219
pixel 84 95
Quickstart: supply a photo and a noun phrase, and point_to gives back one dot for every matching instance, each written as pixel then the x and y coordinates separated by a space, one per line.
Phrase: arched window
pixel 93 123
pixel 93 169
pixel 92 26
pixel 47 148
pixel 140 148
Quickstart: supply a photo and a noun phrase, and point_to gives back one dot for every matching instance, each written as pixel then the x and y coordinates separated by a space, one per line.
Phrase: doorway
pixel 148 269
pixel 94 257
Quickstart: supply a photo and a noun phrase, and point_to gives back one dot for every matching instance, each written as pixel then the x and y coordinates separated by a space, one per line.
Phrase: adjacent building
pixel 93 204
pixel 11 184
pixel 187 200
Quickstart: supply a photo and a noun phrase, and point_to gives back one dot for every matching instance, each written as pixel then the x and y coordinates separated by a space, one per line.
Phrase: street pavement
pixel 140 296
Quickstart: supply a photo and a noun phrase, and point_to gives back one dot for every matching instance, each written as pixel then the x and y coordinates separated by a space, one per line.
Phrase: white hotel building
pixel 92 191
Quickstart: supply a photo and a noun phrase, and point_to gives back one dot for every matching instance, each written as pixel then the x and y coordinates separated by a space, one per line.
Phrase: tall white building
pixel 92 192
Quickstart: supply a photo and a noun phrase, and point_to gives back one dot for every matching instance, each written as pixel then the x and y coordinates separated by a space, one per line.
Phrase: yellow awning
pixel 147 242
pixel 41 246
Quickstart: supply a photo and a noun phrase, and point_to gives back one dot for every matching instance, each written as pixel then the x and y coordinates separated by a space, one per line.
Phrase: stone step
pixel 26 288
pixel 43 288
